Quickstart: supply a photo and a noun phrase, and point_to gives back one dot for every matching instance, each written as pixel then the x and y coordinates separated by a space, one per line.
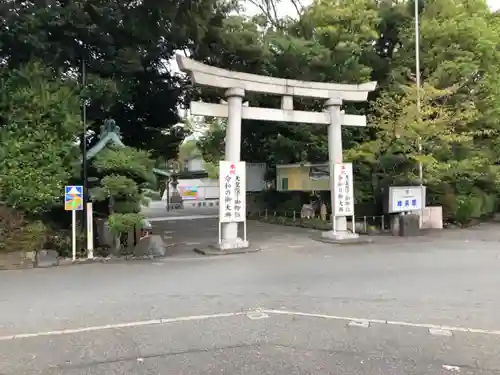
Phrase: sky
pixel 494 4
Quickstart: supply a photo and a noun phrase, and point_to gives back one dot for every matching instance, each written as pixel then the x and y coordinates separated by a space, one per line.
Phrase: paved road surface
pixel 425 306
pixel 157 211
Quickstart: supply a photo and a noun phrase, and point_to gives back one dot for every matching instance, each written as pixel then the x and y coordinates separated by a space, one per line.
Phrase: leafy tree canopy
pixel 125 47
pixel 356 41
pixel 39 123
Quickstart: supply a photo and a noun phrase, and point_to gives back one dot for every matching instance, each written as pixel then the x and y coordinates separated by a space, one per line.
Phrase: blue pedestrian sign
pixel 73 198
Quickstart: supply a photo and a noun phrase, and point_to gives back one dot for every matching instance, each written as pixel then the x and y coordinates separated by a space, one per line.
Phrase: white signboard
pixel 343 190
pixel 406 198
pixel 232 199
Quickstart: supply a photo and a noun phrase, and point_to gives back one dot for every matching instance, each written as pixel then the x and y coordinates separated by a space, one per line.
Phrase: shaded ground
pixel 447 279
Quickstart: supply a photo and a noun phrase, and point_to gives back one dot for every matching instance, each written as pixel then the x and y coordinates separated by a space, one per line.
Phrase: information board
pixel 406 198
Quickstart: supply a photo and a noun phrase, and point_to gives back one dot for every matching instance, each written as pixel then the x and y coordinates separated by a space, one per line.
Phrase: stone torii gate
pixel 237 83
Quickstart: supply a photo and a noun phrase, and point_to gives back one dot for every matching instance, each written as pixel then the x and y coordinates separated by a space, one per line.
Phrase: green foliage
pixel 125 178
pixel 127 206
pixel 120 223
pixel 151 194
pixel 124 47
pixel 331 41
pixel 212 169
pixel 211 143
pixel 115 186
pixel 328 41
pixel 19 234
pixel 356 41
pixel 130 162
pixel 39 123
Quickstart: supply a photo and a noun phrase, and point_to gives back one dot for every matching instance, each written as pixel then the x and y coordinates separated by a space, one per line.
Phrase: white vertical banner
pixel 232 194
pixel 90 231
pixel 343 190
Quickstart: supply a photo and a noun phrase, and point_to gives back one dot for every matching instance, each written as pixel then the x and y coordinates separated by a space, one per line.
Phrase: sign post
pixel 343 191
pixel 90 231
pixel 73 201
pixel 232 196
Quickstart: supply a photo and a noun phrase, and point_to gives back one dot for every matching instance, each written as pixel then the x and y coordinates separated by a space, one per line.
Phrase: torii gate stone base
pixel 237 84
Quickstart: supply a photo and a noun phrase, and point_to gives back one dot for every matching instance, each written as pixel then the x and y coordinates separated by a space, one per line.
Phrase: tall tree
pixel 458 126
pixel 330 41
pixel 125 43
pixel 39 121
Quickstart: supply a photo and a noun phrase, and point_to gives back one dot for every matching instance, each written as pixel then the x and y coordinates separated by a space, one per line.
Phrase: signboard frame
pixel 343 189
pixel 68 197
pixel 405 195
pixel 232 195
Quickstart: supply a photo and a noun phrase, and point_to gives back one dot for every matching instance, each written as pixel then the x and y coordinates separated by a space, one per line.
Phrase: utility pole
pixel 84 149
pixel 417 75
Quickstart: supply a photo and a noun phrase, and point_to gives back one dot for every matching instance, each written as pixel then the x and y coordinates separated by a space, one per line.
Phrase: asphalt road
pixel 422 306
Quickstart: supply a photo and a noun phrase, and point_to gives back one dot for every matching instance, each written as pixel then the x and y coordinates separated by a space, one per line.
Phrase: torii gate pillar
pixel 234 97
pixel 335 157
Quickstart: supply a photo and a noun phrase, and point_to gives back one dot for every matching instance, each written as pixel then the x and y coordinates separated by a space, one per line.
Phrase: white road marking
pixel 118 326
pixel 295 246
pixel 257 315
pixel 81 330
pixel 451 368
pixel 200 317
pixel 362 324
pixel 381 321
pixel 440 332
pixel 192 243
pixel 254 314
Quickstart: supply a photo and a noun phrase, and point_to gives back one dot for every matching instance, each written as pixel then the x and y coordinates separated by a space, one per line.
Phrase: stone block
pixel 46 258
pixel 394 225
pixel 217 250
pixel 343 238
pixel 104 235
pixel 152 246
pixel 432 218
pixel 131 239
pixel 237 243
pixel 409 225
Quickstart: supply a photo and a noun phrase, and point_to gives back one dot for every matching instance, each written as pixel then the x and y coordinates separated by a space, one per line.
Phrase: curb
pixel 212 251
